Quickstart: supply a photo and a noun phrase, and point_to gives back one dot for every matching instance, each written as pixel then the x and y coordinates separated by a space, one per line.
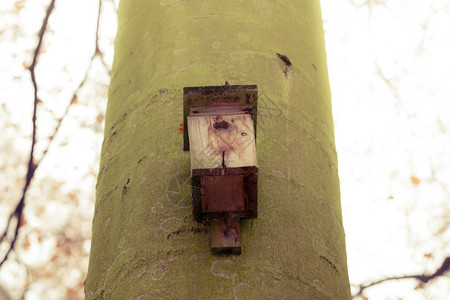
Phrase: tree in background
pixel 145 243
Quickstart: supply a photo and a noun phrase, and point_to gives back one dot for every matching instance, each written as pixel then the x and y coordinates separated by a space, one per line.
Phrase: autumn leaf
pixel 100 117
pixel 22 220
pixel 19 5
pixel 415 180
pixel 42 50
pixel 39 211
pixel 26 243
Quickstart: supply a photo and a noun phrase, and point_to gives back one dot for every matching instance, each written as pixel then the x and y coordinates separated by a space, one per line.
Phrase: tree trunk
pixel 145 244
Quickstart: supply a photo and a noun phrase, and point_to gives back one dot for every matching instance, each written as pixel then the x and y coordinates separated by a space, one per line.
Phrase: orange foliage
pixel 19 5
pixel 415 180
pixel 419 286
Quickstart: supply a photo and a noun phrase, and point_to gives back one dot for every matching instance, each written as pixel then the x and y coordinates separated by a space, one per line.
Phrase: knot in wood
pixel 221 125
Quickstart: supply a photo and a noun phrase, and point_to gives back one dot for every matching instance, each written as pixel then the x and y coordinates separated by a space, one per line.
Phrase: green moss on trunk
pixel 145 244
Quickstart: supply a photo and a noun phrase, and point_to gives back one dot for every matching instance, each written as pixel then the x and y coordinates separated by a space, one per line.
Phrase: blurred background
pixel 389 69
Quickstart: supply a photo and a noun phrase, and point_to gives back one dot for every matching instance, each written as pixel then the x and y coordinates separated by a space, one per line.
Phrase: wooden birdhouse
pixel 220 133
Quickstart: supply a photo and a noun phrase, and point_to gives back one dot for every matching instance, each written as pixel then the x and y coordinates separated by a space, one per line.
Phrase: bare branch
pixel 97 52
pixel 97 48
pixel 33 164
pixel 422 278
pixel 17 213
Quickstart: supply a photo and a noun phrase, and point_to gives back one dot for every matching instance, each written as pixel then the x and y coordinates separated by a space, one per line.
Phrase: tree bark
pixel 145 244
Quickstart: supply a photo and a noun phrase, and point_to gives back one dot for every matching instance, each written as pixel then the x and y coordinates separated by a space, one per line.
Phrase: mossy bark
pixel 145 244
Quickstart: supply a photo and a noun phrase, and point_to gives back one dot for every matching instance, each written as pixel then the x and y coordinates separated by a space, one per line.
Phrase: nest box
pixel 220 133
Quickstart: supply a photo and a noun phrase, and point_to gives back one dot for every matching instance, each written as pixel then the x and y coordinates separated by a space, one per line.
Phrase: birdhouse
pixel 220 133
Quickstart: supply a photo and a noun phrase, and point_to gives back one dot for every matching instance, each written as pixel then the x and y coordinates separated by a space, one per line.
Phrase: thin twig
pixel 97 52
pixel 17 213
pixel 33 164
pixel 421 277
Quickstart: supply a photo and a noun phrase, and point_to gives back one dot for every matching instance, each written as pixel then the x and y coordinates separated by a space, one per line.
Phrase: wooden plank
pixel 225 236
pixel 249 190
pixel 221 141
pixel 228 171
pixel 223 194
pixel 215 96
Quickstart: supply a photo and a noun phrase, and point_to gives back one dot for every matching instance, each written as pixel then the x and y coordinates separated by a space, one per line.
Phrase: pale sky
pixel 389 72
